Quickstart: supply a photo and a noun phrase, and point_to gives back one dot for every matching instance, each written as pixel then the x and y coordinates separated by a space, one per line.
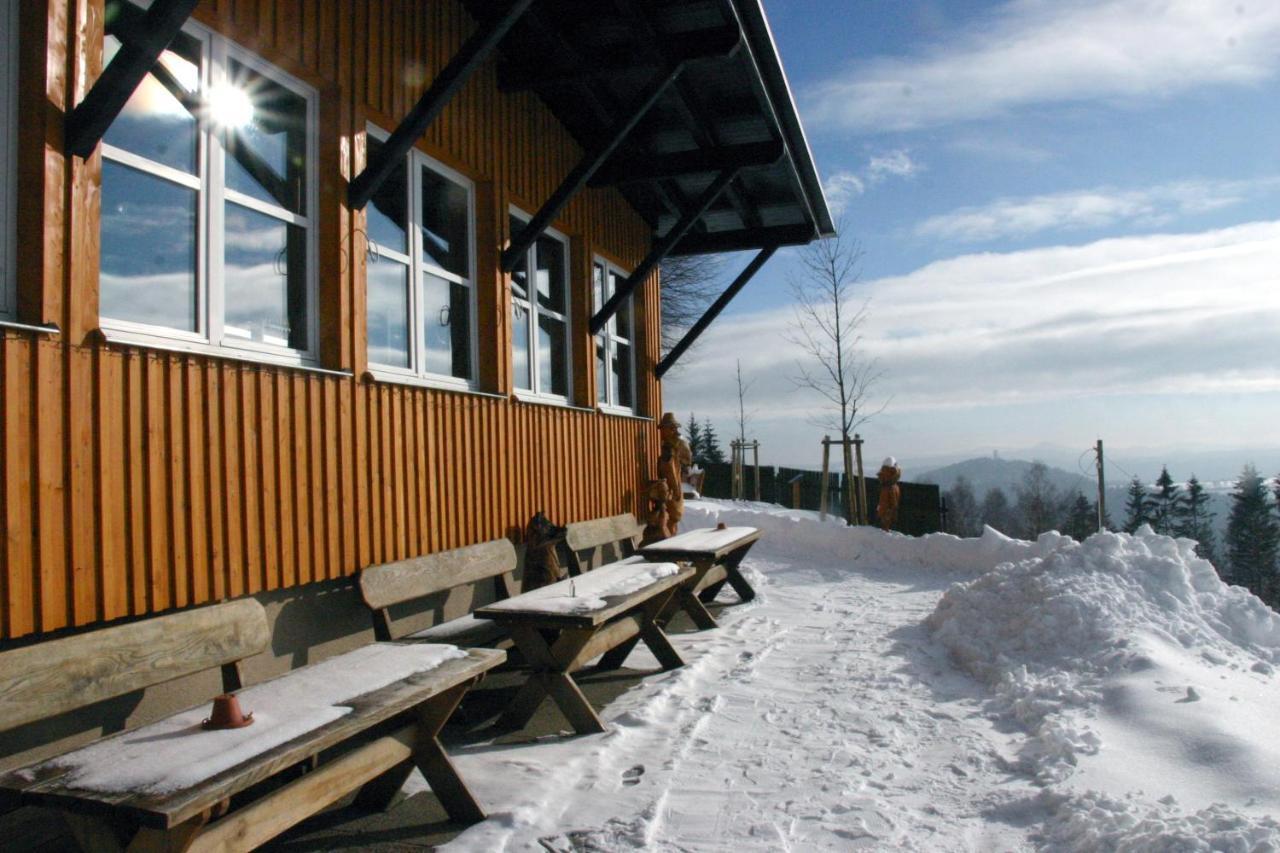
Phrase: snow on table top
pixel 587 593
pixel 706 539
pixel 176 753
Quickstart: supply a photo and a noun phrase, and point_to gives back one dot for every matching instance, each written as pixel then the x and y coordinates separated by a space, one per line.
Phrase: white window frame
pixel 610 336
pixel 212 335
pixel 9 159
pixel 533 310
pixel 417 263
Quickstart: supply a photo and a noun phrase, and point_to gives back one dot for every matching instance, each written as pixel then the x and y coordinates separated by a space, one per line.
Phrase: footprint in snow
pixel 632 775
pixel 1193 695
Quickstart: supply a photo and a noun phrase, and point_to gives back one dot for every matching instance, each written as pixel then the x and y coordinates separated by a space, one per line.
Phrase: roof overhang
pixel 729 109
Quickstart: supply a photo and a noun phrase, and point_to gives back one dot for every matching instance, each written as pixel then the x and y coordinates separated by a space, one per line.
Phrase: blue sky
pixel 1070 213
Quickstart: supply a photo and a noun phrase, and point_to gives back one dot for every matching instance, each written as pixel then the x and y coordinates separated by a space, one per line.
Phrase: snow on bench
pixel 589 592
pixel 708 539
pixel 177 753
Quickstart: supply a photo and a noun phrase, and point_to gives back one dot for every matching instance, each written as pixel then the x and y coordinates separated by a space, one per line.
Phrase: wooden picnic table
pixel 559 627
pixel 390 730
pixel 715 554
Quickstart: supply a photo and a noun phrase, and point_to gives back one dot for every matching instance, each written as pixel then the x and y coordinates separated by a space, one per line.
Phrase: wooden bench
pixel 390 584
pixel 715 553
pixel 602 541
pixel 595 542
pixel 170 785
pixel 560 627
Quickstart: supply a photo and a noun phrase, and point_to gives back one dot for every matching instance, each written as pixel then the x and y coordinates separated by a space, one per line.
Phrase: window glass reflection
pixel 159 120
pixel 265 270
pixel 520 360
pixel 551 274
pixel 264 127
pixel 553 365
pixel 622 370
pixel 388 308
pixel 446 321
pixel 148 261
pixel 444 224
pixel 386 212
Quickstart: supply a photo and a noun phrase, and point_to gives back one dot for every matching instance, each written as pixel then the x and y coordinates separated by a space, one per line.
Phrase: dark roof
pixel 590 60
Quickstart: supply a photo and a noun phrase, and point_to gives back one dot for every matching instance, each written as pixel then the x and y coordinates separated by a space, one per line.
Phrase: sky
pixel 1070 220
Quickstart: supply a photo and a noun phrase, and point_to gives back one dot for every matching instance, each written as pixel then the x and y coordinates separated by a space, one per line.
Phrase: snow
pixel 701 540
pixel 588 592
pixel 930 693
pixel 176 753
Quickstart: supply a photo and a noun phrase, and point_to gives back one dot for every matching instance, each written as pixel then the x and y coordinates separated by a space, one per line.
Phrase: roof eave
pixel 764 54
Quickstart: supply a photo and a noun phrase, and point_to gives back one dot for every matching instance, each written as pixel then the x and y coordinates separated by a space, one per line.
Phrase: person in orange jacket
pixel 890 493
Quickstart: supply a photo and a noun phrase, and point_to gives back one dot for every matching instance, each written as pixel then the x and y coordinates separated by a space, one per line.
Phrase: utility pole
pixel 1102 490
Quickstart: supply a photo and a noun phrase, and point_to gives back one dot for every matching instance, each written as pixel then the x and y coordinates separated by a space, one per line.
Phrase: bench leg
pixel 614 658
pixel 661 647
pixel 429 757
pixel 696 609
pixel 739 583
pixel 383 793
pixel 709 594
pixel 551 678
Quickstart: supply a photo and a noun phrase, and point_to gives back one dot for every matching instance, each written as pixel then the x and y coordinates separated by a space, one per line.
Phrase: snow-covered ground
pixel 888 692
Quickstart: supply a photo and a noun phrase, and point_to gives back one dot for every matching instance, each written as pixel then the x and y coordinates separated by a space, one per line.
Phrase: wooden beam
pixel 621 170
pixel 661 248
pixel 90 119
pixel 714 311
pixel 711 43
pixel 592 160
pixel 442 89
pixel 741 240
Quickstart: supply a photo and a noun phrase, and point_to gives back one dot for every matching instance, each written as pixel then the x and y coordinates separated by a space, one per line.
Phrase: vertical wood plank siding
pixel 134 480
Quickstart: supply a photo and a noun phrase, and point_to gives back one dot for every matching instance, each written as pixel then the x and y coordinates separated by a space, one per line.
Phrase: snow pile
pixel 1096 822
pixel 176 752
pixel 1047 632
pixel 799 537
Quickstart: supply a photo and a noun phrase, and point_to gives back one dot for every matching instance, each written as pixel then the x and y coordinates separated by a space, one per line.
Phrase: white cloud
pixel 1116 320
pixel 1043 51
pixel 844 186
pixel 1092 208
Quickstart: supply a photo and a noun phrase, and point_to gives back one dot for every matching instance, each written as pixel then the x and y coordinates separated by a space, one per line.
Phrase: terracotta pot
pixel 226 714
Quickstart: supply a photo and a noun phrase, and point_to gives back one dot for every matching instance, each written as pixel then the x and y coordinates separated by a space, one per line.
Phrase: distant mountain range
pixel 990 472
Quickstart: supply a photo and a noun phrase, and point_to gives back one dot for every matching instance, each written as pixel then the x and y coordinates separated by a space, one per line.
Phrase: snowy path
pixel 1097 696
pixel 812 719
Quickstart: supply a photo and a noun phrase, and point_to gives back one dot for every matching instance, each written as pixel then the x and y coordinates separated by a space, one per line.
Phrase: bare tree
pixel 689 285
pixel 827 328
pixel 744 417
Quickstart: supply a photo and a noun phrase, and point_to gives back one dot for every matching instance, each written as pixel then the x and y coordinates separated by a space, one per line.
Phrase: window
pixel 540 316
pixel 208 200
pixel 420 293
pixel 8 154
pixel 615 351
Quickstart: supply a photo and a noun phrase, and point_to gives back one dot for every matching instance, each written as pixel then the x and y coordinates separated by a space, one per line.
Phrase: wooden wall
pixel 134 480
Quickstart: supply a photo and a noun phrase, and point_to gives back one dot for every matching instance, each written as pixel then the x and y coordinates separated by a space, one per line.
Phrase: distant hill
pixel 990 472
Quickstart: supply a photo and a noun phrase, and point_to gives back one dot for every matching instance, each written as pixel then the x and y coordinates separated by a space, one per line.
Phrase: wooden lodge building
pixel 290 287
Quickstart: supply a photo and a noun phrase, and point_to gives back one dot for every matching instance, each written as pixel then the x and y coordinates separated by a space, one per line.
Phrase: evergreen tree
pixel 964 517
pixel 694 432
pixel 1082 519
pixel 1193 520
pixel 1168 499
pixel 711 449
pixel 1253 536
pixel 1139 508
pixel 996 512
